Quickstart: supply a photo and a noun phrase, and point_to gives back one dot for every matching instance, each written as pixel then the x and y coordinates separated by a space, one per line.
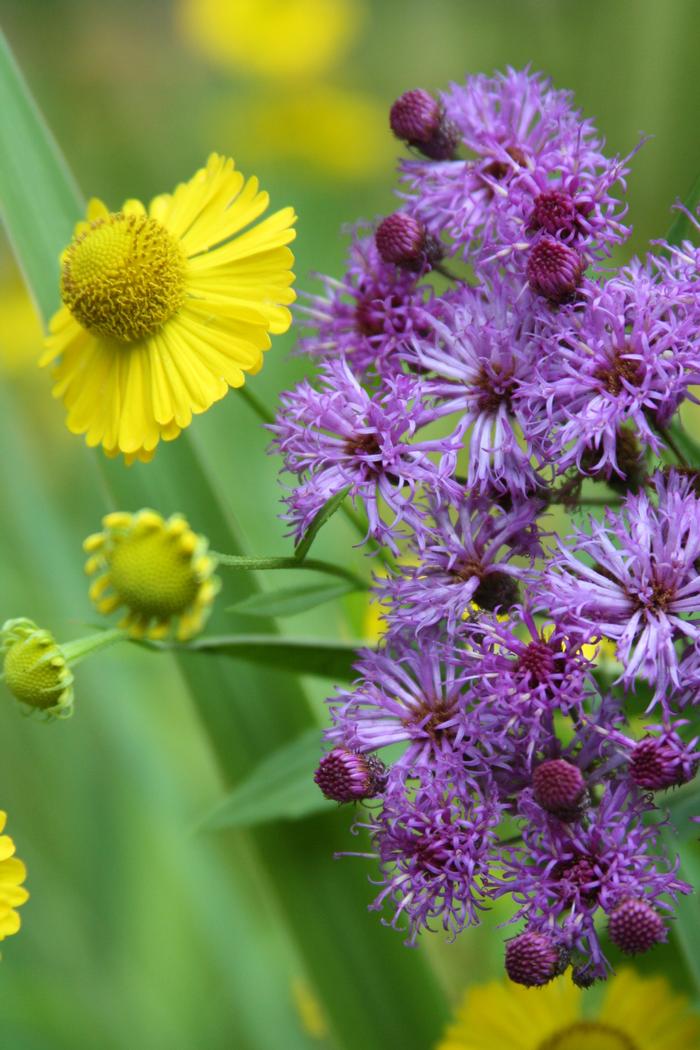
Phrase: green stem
pixel 236 561
pixel 76 651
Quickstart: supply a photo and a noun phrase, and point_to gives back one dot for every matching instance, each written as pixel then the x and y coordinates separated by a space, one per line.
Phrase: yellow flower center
pixel 152 575
pixel 588 1035
pixel 35 671
pixel 123 277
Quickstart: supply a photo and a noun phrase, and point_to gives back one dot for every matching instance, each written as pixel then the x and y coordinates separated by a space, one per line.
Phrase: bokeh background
pixel 143 931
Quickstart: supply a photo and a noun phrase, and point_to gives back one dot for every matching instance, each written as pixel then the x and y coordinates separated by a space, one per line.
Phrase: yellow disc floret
pixel 12 892
pixel 35 669
pixel 123 276
pixel 159 570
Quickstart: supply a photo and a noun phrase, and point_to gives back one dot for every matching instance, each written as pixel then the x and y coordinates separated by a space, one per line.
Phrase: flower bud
pixel 554 212
pixel 348 776
pixel 554 270
pixel 635 927
pixel 662 762
pixel 35 668
pixel 419 119
pixel 404 241
pixel 534 959
pixel 559 787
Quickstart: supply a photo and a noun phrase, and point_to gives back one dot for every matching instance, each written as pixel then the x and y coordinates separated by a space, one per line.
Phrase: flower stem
pixel 235 561
pixel 76 651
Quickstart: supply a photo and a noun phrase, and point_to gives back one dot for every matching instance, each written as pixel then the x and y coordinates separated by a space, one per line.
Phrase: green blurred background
pixel 143 931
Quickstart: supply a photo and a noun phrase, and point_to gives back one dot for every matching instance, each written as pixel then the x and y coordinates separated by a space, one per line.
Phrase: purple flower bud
pixel 657 763
pixel 554 212
pixel 635 927
pixel 554 270
pixel 405 242
pixel 558 787
pixel 348 776
pixel 534 959
pixel 418 119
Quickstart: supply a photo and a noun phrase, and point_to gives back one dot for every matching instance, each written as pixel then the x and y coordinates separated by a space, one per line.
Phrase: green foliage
pixel 289 601
pixel 280 788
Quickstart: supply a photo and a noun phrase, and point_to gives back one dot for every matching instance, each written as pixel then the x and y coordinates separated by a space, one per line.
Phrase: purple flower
pixel 642 585
pixel 627 358
pixel 342 435
pixel 482 350
pixel 370 315
pixel 526 674
pixel 409 696
pixel 566 873
pixel 435 848
pixel 462 559
pixel 511 123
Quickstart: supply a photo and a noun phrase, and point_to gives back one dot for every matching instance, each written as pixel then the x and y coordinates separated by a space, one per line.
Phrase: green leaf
pixel 682 228
pixel 682 804
pixel 281 787
pixel 288 601
pixel 39 201
pixel 686 913
pixel 685 444
pixel 301 656
pixel 327 511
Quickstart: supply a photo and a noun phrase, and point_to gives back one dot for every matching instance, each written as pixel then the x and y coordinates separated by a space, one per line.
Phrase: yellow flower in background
pixel 341 133
pixel 165 309
pixel 637 1013
pixel 158 570
pixel 12 892
pixel 272 38
pixel 20 333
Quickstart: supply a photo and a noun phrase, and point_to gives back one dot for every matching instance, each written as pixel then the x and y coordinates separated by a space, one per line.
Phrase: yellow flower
pixel 12 892
pixel 272 38
pixel 165 309
pixel 160 571
pixel 35 668
pixel 20 337
pixel 637 1013
pixel 339 132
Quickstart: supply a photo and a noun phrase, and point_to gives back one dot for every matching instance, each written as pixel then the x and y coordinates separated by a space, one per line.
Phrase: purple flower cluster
pixel 493 736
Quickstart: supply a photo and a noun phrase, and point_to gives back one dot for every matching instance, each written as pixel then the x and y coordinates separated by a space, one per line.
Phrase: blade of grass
pixel 374 991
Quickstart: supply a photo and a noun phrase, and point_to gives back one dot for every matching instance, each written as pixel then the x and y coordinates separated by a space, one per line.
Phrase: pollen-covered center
pixel 589 1035
pixel 152 575
pixel 123 277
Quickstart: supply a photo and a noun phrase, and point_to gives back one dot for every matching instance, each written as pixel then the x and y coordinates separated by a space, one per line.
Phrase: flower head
pixel 158 570
pixel 343 435
pixel 534 959
pixel 372 315
pixel 419 120
pixel 434 849
pixel 635 927
pixel 348 776
pixel 636 1013
pixel 35 668
pixel 482 348
pixel 642 590
pixel 627 359
pixel 164 310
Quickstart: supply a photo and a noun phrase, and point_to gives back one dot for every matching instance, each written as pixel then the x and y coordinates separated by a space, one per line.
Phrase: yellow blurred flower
pixel 340 133
pixel 165 309
pixel 159 571
pixel 20 333
pixel 309 1009
pixel 637 1013
pixel 12 892
pixel 272 38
